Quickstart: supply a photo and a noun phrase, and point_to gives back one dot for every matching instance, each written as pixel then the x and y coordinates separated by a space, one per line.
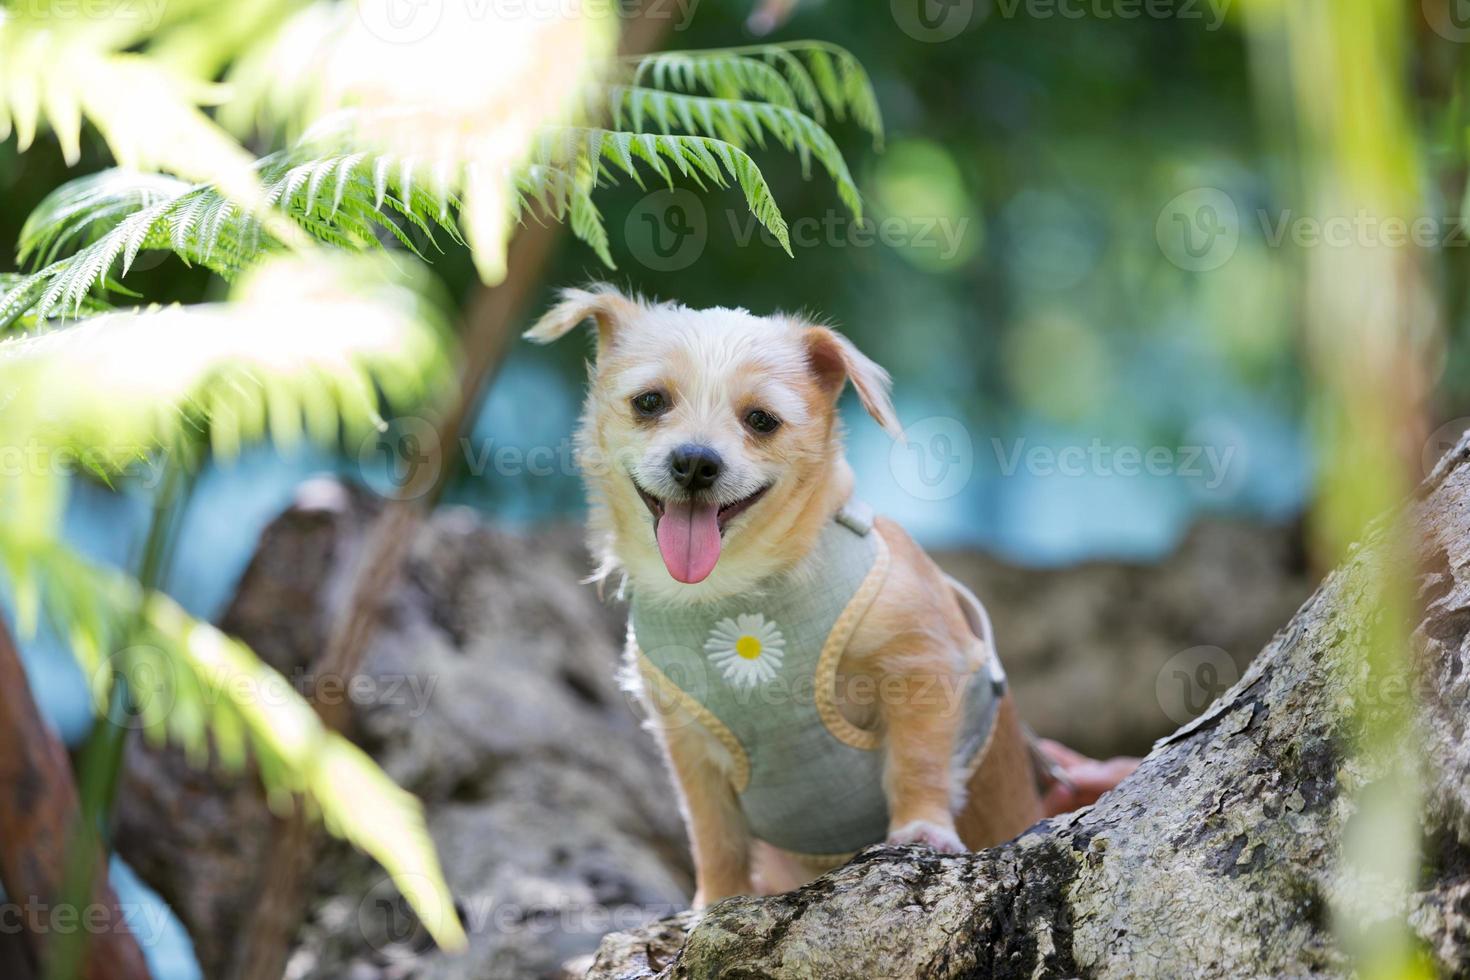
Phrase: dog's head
pixel 710 439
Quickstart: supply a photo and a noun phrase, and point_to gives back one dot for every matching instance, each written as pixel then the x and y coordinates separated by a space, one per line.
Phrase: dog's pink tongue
pixel 689 540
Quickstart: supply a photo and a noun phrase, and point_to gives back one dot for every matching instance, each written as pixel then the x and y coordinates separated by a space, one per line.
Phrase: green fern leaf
pixel 742 124
pixel 811 76
pixel 198 688
pixel 717 160
pixel 114 215
pixel 726 76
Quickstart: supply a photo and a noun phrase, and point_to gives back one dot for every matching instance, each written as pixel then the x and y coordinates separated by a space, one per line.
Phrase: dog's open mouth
pixel 689 531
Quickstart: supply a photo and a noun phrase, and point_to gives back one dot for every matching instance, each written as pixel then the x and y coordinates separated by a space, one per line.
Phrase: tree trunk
pixel 38 835
pixel 1218 857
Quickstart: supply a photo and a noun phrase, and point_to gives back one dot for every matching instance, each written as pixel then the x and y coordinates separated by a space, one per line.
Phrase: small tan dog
pixel 817 683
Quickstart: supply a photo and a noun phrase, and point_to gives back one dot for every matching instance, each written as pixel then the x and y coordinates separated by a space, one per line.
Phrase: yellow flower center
pixel 748 647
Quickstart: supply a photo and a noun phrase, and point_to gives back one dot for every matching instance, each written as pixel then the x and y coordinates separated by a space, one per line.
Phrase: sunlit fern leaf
pixel 97 202
pixel 354 201
pixel 65 69
pixel 191 685
pixel 739 123
pixel 350 200
pixel 307 348
pixel 91 306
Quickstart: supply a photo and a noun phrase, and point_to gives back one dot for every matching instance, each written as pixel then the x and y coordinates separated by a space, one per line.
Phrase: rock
pixel 1089 647
pixel 490 692
pixel 1217 858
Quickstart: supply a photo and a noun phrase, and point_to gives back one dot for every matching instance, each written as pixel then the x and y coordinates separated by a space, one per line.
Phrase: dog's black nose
pixel 694 467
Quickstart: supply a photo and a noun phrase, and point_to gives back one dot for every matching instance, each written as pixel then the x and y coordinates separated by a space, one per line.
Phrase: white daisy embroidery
pixel 747 649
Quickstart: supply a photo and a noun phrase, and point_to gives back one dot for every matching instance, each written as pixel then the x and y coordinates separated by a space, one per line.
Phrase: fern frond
pixel 696 157
pixel 356 200
pixel 809 75
pixel 724 76
pixel 843 82
pixel 208 693
pixel 307 348
pixel 349 200
pixel 63 70
pixel 740 123
pixel 463 101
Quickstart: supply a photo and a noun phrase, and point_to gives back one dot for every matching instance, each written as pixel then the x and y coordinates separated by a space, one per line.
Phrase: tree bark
pixel 1217 858
pixel 38 832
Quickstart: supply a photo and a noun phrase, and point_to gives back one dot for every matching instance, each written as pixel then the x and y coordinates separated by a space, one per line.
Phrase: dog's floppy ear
pixel 601 303
pixel 835 360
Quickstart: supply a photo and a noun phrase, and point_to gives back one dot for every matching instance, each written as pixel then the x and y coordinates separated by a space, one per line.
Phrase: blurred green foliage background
pixel 1030 288
pixel 1038 171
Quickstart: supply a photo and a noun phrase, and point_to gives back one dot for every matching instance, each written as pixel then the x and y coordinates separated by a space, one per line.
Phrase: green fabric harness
pixel 759 670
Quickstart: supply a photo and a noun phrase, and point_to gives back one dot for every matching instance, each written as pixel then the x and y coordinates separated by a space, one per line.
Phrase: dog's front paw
pixel 943 839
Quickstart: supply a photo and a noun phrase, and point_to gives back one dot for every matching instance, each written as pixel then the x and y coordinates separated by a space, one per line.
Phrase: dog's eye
pixel 650 403
pixel 762 422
